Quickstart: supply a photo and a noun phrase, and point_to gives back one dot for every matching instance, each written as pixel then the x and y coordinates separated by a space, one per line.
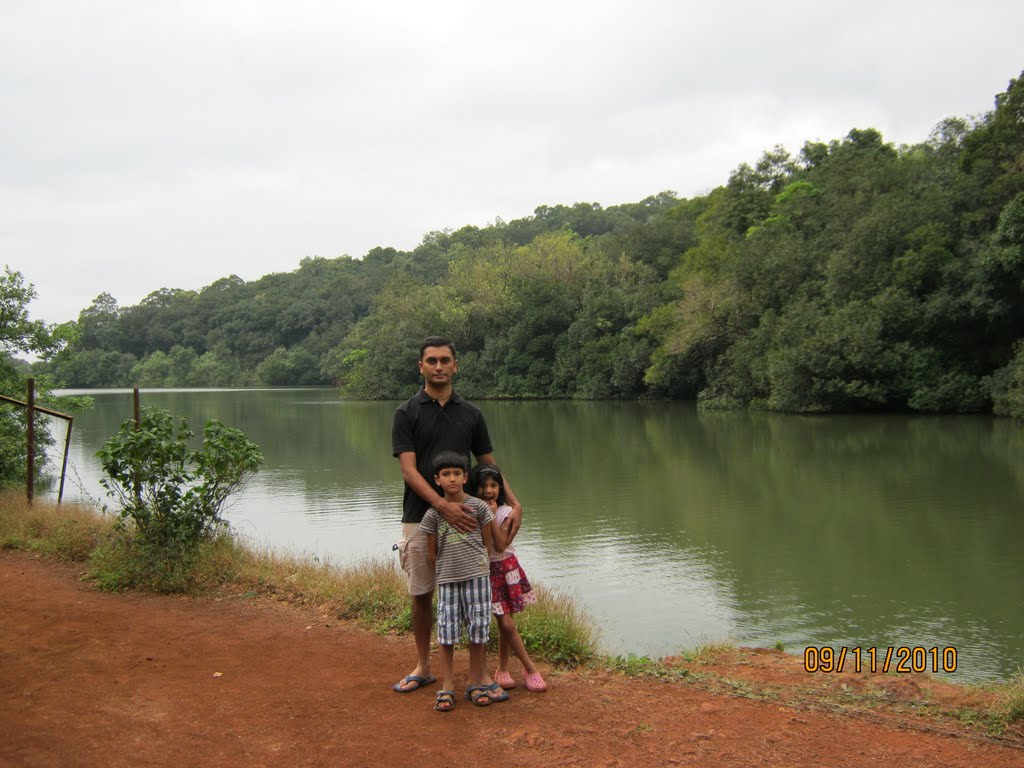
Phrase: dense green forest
pixel 854 276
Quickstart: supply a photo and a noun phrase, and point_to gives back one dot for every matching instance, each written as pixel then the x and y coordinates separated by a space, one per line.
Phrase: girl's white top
pixel 499 518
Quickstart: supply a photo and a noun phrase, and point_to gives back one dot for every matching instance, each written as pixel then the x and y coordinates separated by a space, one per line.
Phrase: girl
pixel 510 589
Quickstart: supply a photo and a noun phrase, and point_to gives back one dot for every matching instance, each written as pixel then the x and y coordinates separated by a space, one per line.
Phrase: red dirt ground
pixel 94 679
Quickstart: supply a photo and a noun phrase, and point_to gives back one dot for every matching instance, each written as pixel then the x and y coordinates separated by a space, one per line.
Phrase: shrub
pixel 169 497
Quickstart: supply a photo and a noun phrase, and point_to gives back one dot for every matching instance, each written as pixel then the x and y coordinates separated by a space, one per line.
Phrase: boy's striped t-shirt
pixel 460 556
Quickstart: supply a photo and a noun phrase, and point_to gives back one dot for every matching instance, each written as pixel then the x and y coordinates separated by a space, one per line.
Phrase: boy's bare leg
pixel 477 663
pixel 446 661
pixel 422 624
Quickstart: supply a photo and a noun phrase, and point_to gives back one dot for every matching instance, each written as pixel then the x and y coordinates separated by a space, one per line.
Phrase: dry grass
pixel 709 653
pixel 370 591
pixel 1011 698
pixel 67 532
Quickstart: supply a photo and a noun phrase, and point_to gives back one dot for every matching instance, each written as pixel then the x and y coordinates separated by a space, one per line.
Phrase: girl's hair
pixel 480 473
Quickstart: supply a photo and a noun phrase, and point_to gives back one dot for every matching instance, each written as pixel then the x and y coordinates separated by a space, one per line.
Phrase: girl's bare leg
pixel 511 638
pixel 503 650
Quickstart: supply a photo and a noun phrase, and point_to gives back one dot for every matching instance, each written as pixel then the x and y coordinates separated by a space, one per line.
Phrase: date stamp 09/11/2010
pixel 903 659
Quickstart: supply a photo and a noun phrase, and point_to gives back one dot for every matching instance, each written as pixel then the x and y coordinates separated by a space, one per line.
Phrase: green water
pixel 674 527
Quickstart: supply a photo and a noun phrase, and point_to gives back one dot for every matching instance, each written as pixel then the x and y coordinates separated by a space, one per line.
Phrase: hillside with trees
pixel 853 276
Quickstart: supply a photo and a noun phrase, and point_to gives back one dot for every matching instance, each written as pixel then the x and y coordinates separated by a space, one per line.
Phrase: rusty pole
pixel 138 425
pixel 64 466
pixel 59 415
pixel 31 457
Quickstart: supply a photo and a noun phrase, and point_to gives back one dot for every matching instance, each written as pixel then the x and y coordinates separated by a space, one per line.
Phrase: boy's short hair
pixel 450 460
pixel 437 341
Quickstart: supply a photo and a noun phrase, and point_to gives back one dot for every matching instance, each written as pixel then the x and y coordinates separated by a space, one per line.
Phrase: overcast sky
pixel 148 145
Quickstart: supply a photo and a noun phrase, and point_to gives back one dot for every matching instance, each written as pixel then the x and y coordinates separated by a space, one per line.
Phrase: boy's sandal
pixel 479 695
pixel 493 688
pixel 444 701
pixel 535 683
pixel 504 679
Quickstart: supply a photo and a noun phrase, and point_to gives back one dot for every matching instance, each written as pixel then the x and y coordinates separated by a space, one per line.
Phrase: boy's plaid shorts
pixel 464 604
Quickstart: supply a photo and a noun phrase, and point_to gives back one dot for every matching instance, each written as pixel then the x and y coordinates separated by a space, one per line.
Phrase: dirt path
pixel 93 679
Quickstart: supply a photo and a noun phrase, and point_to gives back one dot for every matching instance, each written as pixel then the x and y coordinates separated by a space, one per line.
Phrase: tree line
pixel 853 276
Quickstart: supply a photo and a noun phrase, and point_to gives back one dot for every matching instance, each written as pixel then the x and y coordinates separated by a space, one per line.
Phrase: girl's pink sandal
pixel 505 680
pixel 535 683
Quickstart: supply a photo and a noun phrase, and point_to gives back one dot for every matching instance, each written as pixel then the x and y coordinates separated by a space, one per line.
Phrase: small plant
pixel 644 666
pixel 169 496
pixel 635 666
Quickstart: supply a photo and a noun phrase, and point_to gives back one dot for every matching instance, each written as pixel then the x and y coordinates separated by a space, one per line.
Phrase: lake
pixel 673 527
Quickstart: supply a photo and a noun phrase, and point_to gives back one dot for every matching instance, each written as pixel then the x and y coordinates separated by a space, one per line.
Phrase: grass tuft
pixel 708 653
pixel 1011 696
pixel 68 533
pixel 557 628
pixel 123 562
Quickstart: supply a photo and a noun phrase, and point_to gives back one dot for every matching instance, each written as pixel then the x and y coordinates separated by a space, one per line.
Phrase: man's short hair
pixel 437 341
pixel 450 459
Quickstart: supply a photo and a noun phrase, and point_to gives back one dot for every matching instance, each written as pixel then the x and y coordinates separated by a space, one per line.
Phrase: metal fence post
pixel 138 425
pixel 31 457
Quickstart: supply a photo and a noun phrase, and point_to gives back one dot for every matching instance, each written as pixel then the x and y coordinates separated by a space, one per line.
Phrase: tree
pixel 19 334
pixel 99 324
pixel 1007 386
pixel 152 371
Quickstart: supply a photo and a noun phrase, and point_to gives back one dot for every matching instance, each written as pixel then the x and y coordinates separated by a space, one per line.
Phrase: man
pixel 435 419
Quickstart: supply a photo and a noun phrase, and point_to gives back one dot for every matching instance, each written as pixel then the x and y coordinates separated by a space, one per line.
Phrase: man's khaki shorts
pixel 412 554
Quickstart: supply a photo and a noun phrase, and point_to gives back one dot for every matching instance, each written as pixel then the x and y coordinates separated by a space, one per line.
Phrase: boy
pixel 462 565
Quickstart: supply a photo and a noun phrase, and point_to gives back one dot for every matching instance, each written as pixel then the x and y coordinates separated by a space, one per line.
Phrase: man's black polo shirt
pixel 422 426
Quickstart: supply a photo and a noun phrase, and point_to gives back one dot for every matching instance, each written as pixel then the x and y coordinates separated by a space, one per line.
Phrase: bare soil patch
pixel 95 679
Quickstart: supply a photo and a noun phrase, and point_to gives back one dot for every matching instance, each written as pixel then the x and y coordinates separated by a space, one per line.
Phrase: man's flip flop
pixel 420 682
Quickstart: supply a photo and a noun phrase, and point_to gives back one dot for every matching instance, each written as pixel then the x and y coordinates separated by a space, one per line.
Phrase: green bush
pixel 169 497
